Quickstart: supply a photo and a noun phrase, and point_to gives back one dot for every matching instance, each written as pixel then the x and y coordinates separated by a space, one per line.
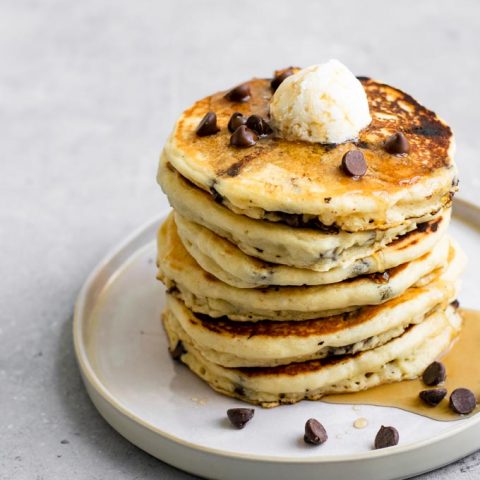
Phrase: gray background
pixel 88 93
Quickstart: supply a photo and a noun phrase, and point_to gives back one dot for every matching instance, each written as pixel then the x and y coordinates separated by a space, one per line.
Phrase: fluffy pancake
pixel 267 343
pixel 298 182
pixel 204 293
pixel 275 242
pixel 228 263
pixel 404 357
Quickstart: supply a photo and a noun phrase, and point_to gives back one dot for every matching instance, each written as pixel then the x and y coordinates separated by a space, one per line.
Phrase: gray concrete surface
pixel 88 93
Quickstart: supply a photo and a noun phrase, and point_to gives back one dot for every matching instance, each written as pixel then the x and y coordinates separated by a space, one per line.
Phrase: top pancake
pixel 278 180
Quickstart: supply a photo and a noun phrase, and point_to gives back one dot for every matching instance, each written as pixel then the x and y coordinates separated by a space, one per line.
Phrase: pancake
pixel 300 247
pixel 267 343
pixel 228 263
pixel 404 357
pixel 204 293
pixel 300 183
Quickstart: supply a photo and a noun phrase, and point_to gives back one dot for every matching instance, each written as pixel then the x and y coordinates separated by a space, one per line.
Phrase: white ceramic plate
pixel 165 410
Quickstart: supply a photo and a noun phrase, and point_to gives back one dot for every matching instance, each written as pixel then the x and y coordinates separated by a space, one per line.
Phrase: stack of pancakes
pixel 288 279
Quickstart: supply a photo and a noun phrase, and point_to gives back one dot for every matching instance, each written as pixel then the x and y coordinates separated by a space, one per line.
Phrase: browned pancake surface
pixel 321 326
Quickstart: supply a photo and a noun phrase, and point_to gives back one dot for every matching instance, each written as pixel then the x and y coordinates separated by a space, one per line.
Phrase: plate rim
pixel 88 372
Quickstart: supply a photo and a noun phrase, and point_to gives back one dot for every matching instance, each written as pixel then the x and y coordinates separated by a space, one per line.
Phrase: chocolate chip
pixel 455 303
pixel 280 76
pixel 315 432
pixel 172 290
pixel 216 196
pixel 178 351
pixel 239 390
pixel 241 93
pixel 386 437
pixel 361 144
pixel 423 227
pixel 240 416
pixel 243 137
pixel 380 278
pixel 208 125
pixel 463 401
pixel 434 396
pixel 354 164
pixel 397 144
pixel 434 374
pixel 236 120
pixel 259 125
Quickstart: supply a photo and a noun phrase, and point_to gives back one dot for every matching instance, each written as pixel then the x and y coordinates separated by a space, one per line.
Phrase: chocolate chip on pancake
pixel 239 390
pixel 280 76
pixel 463 401
pixel 239 417
pixel 386 437
pixel 241 93
pixel 243 137
pixel 434 374
pixel 380 277
pixel 397 144
pixel 259 125
pixel 178 351
pixel 216 195
pixel 433 397
pixel 208 125
pixel 354 164
pixel 423 227
pixel 236 120
pixel 315 432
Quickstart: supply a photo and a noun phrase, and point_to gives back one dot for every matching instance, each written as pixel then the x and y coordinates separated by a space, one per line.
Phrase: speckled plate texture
pixel 161 407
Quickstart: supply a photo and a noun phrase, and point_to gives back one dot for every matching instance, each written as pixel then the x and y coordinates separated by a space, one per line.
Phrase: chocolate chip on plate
pixel 280 76
pixel 243 137
pixel 354 164
pixel 434 374
pixel 240 416
pixel 315 433
pixel 386 437
pixel 241 93
pixel 433 397
pixel 463 401
pixel 208 125
pixel 397 144
pixel 259 125
pixel 236 120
